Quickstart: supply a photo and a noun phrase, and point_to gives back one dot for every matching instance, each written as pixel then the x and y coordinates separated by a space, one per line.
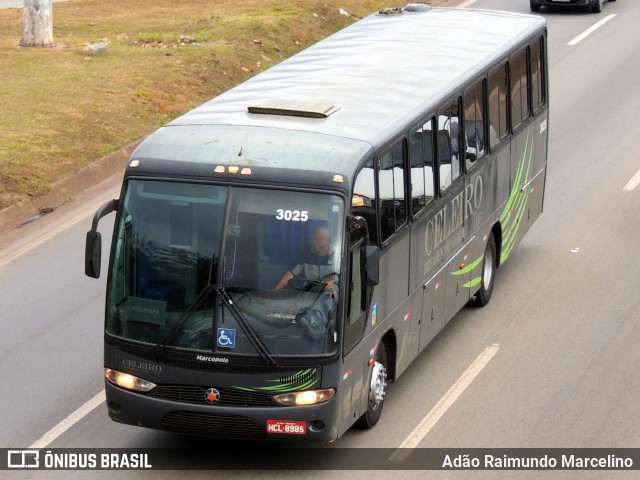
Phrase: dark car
pixel 594 6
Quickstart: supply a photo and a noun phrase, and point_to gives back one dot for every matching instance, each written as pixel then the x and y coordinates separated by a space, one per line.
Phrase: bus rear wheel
pixel 377 389
pixel 488 274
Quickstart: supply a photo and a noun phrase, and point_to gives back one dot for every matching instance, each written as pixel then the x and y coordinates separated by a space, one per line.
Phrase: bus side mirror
pixel 372 266
pixel 93 254
pixel 93 246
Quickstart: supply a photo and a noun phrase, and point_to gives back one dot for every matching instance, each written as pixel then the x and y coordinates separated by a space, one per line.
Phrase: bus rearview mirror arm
pixel 93 246
pixel 355 222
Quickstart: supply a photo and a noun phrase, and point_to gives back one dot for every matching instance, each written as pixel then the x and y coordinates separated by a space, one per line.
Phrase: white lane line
pixel 443 405
pixel 467 3
pixel 590 30
pixel 633 183
pixel 69 422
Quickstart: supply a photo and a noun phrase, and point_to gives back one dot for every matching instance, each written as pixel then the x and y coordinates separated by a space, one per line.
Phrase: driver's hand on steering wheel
pixel 329 287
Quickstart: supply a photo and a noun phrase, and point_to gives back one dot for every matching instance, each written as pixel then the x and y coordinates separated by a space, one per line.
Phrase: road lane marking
pixel 443 405
pixel 467 3
pixel 633 183
pixel 69 422
pixel 590 30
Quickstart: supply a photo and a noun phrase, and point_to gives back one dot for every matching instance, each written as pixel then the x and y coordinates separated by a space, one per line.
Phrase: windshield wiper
pixel 246 328
pixel 202 296
pixel 226 300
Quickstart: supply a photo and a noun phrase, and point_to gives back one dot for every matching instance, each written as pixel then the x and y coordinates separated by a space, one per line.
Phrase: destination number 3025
pixel 292 215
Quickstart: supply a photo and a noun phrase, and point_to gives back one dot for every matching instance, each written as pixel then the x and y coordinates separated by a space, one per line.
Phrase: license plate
pixel 290 427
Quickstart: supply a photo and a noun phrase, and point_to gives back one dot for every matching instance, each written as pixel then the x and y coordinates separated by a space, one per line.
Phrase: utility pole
pixel 37 23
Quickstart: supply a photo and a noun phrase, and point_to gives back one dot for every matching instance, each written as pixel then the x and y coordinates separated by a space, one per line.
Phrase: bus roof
pixel 356 89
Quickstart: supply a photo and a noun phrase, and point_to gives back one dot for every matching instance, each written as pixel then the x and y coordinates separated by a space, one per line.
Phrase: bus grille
pixel 214 425
pixel 229 397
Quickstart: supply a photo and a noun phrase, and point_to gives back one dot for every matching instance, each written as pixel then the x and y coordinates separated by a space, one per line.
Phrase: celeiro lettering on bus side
pixel 447 222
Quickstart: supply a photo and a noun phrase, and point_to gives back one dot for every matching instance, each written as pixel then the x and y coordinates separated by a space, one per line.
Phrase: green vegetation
pixel 62 109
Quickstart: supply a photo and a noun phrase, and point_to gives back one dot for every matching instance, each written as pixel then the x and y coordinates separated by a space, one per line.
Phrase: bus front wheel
pixel 377 389
pixel 488 274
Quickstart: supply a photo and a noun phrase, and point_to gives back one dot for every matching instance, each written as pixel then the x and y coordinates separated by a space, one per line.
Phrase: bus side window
pixel 363 203
pixel 497 105
pixel 421 161
pixel 519 88
pixel 391 181
pixel 449 144
pixel 474 124
pixel 537 74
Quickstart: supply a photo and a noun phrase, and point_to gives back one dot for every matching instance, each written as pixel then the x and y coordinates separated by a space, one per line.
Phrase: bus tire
pixel 377 389
pixel 488 274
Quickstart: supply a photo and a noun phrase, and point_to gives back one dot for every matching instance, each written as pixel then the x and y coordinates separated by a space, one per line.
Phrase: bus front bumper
pixel 314 423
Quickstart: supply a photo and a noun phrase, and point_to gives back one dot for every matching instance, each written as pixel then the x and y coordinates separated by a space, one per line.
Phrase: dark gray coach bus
pixel 380 177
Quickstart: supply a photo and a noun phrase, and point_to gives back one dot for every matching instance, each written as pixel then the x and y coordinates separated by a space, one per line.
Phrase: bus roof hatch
pixel 294 108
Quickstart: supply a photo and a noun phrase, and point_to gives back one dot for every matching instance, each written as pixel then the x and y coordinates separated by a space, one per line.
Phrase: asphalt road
pixel 562 327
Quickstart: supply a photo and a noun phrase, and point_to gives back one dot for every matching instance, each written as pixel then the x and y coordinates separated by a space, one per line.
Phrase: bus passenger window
pixel 519 89
pixel 497 105
pixel 363 203
pixel 449 144
pixel 421 161
pixel 474 124
pixel 537 75
pixel 391 179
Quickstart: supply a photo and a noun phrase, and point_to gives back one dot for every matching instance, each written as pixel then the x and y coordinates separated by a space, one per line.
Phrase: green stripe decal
pixel 469 267
pixel 473 283
pixel 286 387
pixel 511 215
pixel 517 203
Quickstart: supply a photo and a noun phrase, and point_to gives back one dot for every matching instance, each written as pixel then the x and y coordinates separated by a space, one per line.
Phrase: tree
pixel 37 23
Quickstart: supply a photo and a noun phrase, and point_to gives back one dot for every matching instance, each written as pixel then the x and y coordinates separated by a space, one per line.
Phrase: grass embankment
pixel 61 109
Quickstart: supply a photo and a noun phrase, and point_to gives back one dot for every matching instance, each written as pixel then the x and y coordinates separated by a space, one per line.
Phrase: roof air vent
pixel 417 7
pixel 410 7
pixel 294 108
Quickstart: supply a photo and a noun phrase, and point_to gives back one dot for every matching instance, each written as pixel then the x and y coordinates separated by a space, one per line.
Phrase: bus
pixel 380 177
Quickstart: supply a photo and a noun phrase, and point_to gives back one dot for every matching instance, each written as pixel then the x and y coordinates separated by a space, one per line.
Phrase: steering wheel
pixel 313 285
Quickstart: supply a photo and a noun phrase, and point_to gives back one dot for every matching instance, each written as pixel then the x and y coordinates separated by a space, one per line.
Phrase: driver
pixel 315 263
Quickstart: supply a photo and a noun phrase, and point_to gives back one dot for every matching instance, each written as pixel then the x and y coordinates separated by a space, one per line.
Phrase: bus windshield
pixel 230 270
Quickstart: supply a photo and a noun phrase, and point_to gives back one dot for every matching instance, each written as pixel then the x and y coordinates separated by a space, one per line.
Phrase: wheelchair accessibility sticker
pixel 227 337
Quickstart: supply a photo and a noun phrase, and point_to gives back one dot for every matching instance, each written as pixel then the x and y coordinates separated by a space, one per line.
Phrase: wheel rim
pixel 487 274
pixel 378 384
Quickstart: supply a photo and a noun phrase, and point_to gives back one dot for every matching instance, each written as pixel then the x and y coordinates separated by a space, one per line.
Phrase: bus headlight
pixel 306 397
pixel 128 381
